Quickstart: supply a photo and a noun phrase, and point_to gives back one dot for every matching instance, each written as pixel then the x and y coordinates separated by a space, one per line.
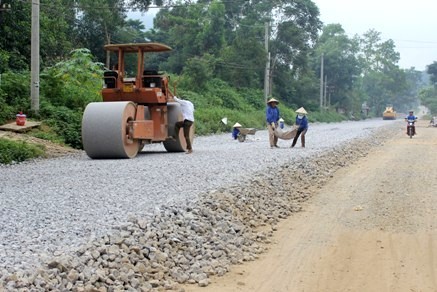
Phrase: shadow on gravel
pixel 155 152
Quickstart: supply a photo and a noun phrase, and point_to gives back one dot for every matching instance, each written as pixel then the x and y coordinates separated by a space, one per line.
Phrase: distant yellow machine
pixel 389 113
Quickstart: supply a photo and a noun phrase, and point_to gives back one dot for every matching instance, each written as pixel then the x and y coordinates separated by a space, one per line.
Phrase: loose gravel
pixel 91 213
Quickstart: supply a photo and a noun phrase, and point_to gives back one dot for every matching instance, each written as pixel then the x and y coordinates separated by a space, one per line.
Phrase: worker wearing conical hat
pixel 302 126
pixel 272 118
pixel 281 123
pixel 236 130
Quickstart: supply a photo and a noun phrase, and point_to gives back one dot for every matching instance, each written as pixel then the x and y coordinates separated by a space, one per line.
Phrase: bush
pixel 47 133
pixel 65 122
pixel 7 112
pixel 73 83
pixel 326 116
pixel 14 95
pixel 18 151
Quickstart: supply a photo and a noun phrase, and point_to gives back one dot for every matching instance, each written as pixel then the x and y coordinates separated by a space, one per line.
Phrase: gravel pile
pixel 160 219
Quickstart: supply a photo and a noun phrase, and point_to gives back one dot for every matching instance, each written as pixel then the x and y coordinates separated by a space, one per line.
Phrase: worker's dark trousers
pixel 302 137
pixel 186 124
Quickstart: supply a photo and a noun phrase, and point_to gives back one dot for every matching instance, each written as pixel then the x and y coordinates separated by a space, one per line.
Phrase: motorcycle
pixel 411 128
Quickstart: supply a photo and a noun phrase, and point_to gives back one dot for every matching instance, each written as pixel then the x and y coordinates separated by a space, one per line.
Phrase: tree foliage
pixel 219 57
pixel 74 82
pixel 428 95
pixel 341 66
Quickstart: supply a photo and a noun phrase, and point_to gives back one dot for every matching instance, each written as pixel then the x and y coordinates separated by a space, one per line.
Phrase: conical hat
pixel 272 100
pixel 237 125
pixel 281 119
pixel 301 111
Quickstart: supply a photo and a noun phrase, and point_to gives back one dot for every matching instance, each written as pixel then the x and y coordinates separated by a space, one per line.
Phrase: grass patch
pixel 18 151
pixel 47 133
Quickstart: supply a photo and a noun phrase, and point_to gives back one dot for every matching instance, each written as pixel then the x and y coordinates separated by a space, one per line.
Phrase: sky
pixel 412 25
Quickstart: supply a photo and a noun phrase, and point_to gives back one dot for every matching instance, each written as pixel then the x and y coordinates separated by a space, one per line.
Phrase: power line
pixel 149 7
pixel 416 41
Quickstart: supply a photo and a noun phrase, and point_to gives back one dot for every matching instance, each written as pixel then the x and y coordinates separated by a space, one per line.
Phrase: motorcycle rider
pixel 413 118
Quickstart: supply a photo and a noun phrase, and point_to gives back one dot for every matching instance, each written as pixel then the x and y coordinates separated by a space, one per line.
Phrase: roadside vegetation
pixel 18 151
pixel 218 61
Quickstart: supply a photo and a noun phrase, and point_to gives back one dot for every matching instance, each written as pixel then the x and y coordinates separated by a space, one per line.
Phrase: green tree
pixel 73 83
pixel 428 98
pixel 15 31
pixel 428 95
pixel 409 98
pixel 97 22
pixel 56 31
pixel 431 69
pixel 14 37
pixel 341 66
pixel 383 80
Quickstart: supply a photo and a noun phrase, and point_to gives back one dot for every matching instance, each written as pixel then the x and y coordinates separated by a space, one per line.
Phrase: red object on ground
pixel 21 119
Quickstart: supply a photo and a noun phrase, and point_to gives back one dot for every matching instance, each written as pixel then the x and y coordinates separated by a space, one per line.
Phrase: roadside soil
pixel 372 227
pixel 52 150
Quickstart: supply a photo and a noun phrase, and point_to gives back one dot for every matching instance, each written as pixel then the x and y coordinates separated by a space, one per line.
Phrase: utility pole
pixel 267 70
pixel 321 83
pixel 326 89
pixel 331 89
pixel 34 58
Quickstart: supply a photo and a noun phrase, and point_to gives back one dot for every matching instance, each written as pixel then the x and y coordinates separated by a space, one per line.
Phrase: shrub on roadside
pixel 14 95
pixel 47 133
pixel 18 151
pixel 65 122
pixel 73 83
pixel 6 111
pixel 326 117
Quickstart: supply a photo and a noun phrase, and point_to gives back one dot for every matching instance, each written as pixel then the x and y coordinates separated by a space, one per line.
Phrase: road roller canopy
pixel 135 47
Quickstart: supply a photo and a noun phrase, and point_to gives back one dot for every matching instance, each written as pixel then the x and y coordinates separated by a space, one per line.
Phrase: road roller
pixel 389 113
pixel 138 108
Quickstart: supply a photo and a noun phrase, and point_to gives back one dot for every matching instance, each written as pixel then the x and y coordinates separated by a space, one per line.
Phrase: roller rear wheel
pixel 105 130
pixel 177 144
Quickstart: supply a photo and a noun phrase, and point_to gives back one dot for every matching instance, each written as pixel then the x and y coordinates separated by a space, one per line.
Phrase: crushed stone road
pixel 51 206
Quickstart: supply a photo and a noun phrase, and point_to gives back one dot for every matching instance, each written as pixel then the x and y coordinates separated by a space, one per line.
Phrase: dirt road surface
pixel 373 227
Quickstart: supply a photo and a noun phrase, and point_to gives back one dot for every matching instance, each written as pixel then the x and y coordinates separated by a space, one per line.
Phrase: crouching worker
pixel 236 130
pixel 281 123
pixel 302 124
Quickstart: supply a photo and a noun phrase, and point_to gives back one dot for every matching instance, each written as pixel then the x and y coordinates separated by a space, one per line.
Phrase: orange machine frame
pixel 151 121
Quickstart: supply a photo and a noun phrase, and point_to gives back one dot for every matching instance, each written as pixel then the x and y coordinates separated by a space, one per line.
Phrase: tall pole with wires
pixel 267 70
pixel 321 83
pixel 34 58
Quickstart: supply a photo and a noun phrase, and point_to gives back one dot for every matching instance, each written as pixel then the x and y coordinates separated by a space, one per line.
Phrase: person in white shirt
pixel 187 109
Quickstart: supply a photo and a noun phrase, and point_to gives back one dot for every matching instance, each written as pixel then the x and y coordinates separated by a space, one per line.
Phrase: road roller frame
pixel 142 106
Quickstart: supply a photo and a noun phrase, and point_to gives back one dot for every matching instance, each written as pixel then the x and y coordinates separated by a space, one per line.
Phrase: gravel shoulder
pixel 372 227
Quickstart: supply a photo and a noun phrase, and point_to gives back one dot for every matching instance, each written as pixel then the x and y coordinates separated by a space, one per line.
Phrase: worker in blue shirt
pixel 302 124
pixel 272 118
pixel 236 130
pixel 411 117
